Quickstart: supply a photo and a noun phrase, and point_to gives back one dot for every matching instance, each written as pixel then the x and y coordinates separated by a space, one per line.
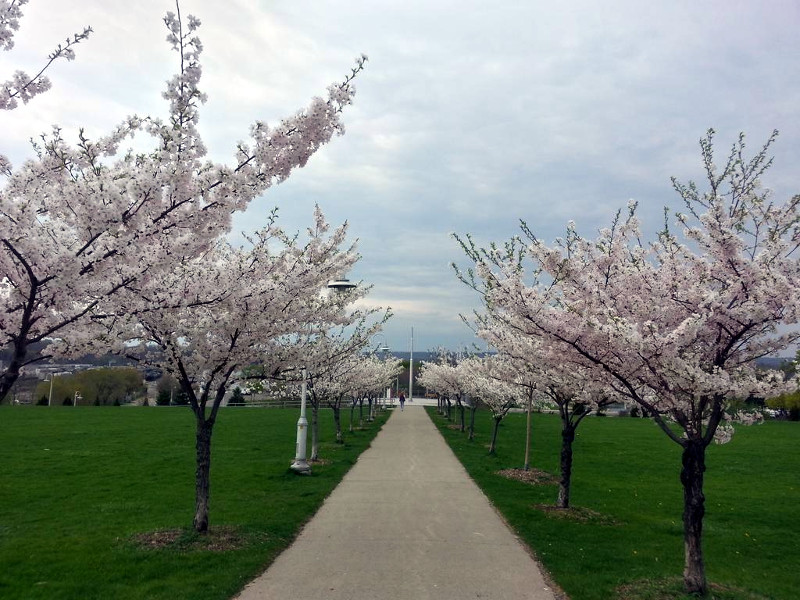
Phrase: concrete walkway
pixel 405 523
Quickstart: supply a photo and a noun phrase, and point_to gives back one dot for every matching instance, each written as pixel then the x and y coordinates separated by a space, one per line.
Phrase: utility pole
pixel 411 370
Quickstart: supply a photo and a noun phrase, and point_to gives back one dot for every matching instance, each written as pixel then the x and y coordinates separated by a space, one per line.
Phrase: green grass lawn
pixel 627 472
pixel 78 485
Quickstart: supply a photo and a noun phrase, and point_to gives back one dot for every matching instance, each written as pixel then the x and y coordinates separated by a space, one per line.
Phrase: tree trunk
pixel 202 473
pixel 449 412
pixel 472 410
pixel 11 373
pixel 370 416
pixel 694 466
pixel 567 437
pixel 314 433
pixel 495 429
pixel 527 465
pixel 461 416
pixel 360 412
pixel 352 412
pixel 337 419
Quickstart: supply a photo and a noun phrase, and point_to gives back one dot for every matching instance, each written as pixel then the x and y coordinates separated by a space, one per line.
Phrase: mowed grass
pixel 627 472
pixel 78 485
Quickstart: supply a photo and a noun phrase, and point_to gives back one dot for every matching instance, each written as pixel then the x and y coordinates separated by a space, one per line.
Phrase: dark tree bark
pixel 527 465
pixel 19 349
pixel 692 473
pixel 314 432
pixel 203 431
pixel 495 429
pixel 461 411
pixel 564 484
pixel 472 410
pixel 11 374
pixel 338 420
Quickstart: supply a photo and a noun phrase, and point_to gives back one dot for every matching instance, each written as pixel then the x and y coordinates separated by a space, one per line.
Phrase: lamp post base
pixel 301 467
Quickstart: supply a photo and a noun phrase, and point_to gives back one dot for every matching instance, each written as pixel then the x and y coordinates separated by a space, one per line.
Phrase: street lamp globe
pixel 341 285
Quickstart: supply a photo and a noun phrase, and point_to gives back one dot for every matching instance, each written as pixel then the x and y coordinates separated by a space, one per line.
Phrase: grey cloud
pixel 469 116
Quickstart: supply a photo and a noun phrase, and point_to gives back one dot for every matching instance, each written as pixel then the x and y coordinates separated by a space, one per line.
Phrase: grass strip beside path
pixel 97 502
pixel 626 528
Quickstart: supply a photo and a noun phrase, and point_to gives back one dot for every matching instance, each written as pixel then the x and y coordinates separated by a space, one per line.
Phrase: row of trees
pixel 499 384
pixel 336 366
pixel 106 386
pixel 102 251
pixel 672 326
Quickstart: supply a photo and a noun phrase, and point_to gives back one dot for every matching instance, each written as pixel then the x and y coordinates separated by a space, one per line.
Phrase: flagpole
pixel 411 370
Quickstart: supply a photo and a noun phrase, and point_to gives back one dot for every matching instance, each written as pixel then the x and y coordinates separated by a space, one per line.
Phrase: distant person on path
pixel 402 399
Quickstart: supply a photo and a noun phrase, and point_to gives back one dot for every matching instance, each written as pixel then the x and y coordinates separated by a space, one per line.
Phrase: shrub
pixel 180 398
pixel 788 404
pixel 237 398
pixel 162 399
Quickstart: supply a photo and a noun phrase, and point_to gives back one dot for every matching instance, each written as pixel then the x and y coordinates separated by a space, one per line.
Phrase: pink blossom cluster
pixel 672 325
pixel 448 377
pixel 213 314
pixel 10 14
pixel 23 86
pixel 81 222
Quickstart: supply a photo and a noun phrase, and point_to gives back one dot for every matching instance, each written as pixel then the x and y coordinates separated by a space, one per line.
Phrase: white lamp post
pixel 50 397
pixel 52 378
pixel 300 464
pixel 384 352
pixel 385 349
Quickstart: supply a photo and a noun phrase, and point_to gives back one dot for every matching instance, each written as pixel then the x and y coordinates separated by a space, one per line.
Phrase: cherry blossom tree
pixel 23 86
pixel 447 378
pixel 575 395
pixel 209 316
pixel 674 325
pixel 372 378
pixel 490 383
pixel 525 361
pixel 355 377
pixel 327 351
pixel 80 223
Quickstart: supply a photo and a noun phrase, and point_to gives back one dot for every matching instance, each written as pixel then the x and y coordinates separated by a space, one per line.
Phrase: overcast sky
pixel 469 117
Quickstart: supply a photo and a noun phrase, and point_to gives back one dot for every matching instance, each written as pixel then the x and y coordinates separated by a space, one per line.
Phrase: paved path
pixel 405 523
